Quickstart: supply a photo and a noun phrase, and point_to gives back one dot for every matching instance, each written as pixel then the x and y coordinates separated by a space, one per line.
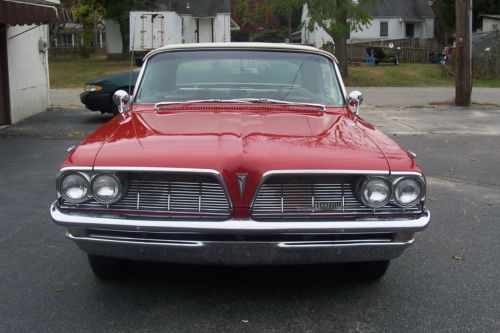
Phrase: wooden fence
pixel 411 43
pixel 357 52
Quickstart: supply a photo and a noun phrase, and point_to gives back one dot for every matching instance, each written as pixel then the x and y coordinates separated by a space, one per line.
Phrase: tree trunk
pixel 124 32
pixel 341 51
pixel 340 37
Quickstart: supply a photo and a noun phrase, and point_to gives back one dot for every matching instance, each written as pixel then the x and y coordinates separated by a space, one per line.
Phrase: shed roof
pixel 490 16
pixel 406 9
pixel 20 13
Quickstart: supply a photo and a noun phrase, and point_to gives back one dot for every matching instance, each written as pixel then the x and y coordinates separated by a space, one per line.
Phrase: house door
pixel 4 78
pixel 205 30
pixel 410 30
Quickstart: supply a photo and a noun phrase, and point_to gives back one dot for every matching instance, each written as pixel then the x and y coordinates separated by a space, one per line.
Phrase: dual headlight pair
pixel 76 187
pixel 376 192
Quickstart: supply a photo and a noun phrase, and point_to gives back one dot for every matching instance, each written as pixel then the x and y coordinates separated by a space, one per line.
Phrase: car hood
pixel 243 142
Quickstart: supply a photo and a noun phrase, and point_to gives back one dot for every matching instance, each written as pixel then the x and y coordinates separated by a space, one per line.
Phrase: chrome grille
pixel 171 194
pixel 312 196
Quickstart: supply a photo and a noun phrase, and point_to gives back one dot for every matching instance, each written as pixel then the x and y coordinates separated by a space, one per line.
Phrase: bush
pixel 269 36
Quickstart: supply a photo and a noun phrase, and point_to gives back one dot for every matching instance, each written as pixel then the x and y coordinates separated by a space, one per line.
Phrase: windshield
pixel 233 74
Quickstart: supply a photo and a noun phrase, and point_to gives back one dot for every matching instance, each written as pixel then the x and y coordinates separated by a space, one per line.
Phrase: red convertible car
pixel 240 154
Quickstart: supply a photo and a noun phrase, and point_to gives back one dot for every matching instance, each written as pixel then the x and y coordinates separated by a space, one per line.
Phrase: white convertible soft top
pixel 255 46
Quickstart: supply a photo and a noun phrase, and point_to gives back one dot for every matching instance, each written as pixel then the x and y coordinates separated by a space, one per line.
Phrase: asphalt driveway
pixel 447 282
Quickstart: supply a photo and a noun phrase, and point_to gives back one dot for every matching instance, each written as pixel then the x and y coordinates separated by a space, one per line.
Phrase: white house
pixel 318 37
pixel 391 19
pixel 24 68
pixel 490 22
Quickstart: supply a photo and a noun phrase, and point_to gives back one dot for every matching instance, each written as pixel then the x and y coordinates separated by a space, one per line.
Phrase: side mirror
pixel 121 98
pixel 355 100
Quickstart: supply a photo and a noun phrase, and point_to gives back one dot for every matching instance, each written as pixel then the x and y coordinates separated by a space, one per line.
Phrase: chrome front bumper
pixel 239 252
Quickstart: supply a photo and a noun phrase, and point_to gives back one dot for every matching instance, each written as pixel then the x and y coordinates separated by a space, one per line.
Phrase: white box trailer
pixel 151 30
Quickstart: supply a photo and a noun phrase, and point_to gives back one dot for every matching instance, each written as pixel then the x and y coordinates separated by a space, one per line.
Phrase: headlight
pixel 407 192
pixel 74 187
pixel 375 192
pixel 107 189
pixel 92 87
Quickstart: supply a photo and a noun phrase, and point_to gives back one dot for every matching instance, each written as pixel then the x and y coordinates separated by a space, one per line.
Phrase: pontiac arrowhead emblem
pixel 242 181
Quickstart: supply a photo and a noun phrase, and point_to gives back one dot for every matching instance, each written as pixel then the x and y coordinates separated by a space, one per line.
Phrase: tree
pixel 119 11
pixel 337 17
pixel 445 16
pixel 84 16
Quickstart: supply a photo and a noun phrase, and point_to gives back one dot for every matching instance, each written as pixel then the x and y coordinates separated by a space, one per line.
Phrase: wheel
pixel 107 268
pixel 371 270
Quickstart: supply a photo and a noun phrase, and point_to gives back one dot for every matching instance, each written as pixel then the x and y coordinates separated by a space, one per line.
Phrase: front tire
pixel 371 270
pixel 107 268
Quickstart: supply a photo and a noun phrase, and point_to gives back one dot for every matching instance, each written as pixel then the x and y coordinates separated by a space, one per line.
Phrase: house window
pixel 384 29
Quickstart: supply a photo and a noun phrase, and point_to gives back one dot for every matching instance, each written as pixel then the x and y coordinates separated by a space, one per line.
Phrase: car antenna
pixel 131 59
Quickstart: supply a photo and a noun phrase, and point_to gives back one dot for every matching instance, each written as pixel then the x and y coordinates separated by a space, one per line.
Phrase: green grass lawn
pixel 73 73
pixel 405 75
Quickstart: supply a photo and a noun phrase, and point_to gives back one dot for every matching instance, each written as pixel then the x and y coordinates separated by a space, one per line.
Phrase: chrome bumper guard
pixel 241 252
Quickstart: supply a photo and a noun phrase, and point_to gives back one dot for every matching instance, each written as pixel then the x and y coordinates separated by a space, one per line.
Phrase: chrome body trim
pixel 108 239
pixel 367 225
pixel 243 253
pixel 406 173
pixel 76 168
pixel 315 244
pixel 325 172
pixel 156 169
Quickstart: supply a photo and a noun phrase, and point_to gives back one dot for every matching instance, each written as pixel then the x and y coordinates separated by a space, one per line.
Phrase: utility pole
pixel 463 52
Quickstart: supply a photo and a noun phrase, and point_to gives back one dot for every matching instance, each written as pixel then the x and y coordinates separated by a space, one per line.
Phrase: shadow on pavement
pixel 73 123
pixel 258 277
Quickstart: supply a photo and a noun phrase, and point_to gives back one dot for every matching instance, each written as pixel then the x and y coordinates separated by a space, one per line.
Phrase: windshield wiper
pixel 277 101
pixel 321 107
pixel 213 100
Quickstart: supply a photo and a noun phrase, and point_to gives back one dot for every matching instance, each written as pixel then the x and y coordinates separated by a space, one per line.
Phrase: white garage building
pixel 24 68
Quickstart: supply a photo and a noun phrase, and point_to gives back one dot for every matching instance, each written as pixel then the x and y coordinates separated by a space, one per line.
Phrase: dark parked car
pixel 98 94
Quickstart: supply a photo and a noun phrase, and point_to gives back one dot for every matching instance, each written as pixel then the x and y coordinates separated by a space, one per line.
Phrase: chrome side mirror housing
pixel 355 100
pixel 121 98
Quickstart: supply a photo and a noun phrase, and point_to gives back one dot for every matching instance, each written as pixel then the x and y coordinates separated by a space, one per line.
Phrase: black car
pixel 98 94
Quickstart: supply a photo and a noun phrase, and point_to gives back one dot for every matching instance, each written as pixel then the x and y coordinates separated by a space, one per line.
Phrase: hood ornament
pixel 242 181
